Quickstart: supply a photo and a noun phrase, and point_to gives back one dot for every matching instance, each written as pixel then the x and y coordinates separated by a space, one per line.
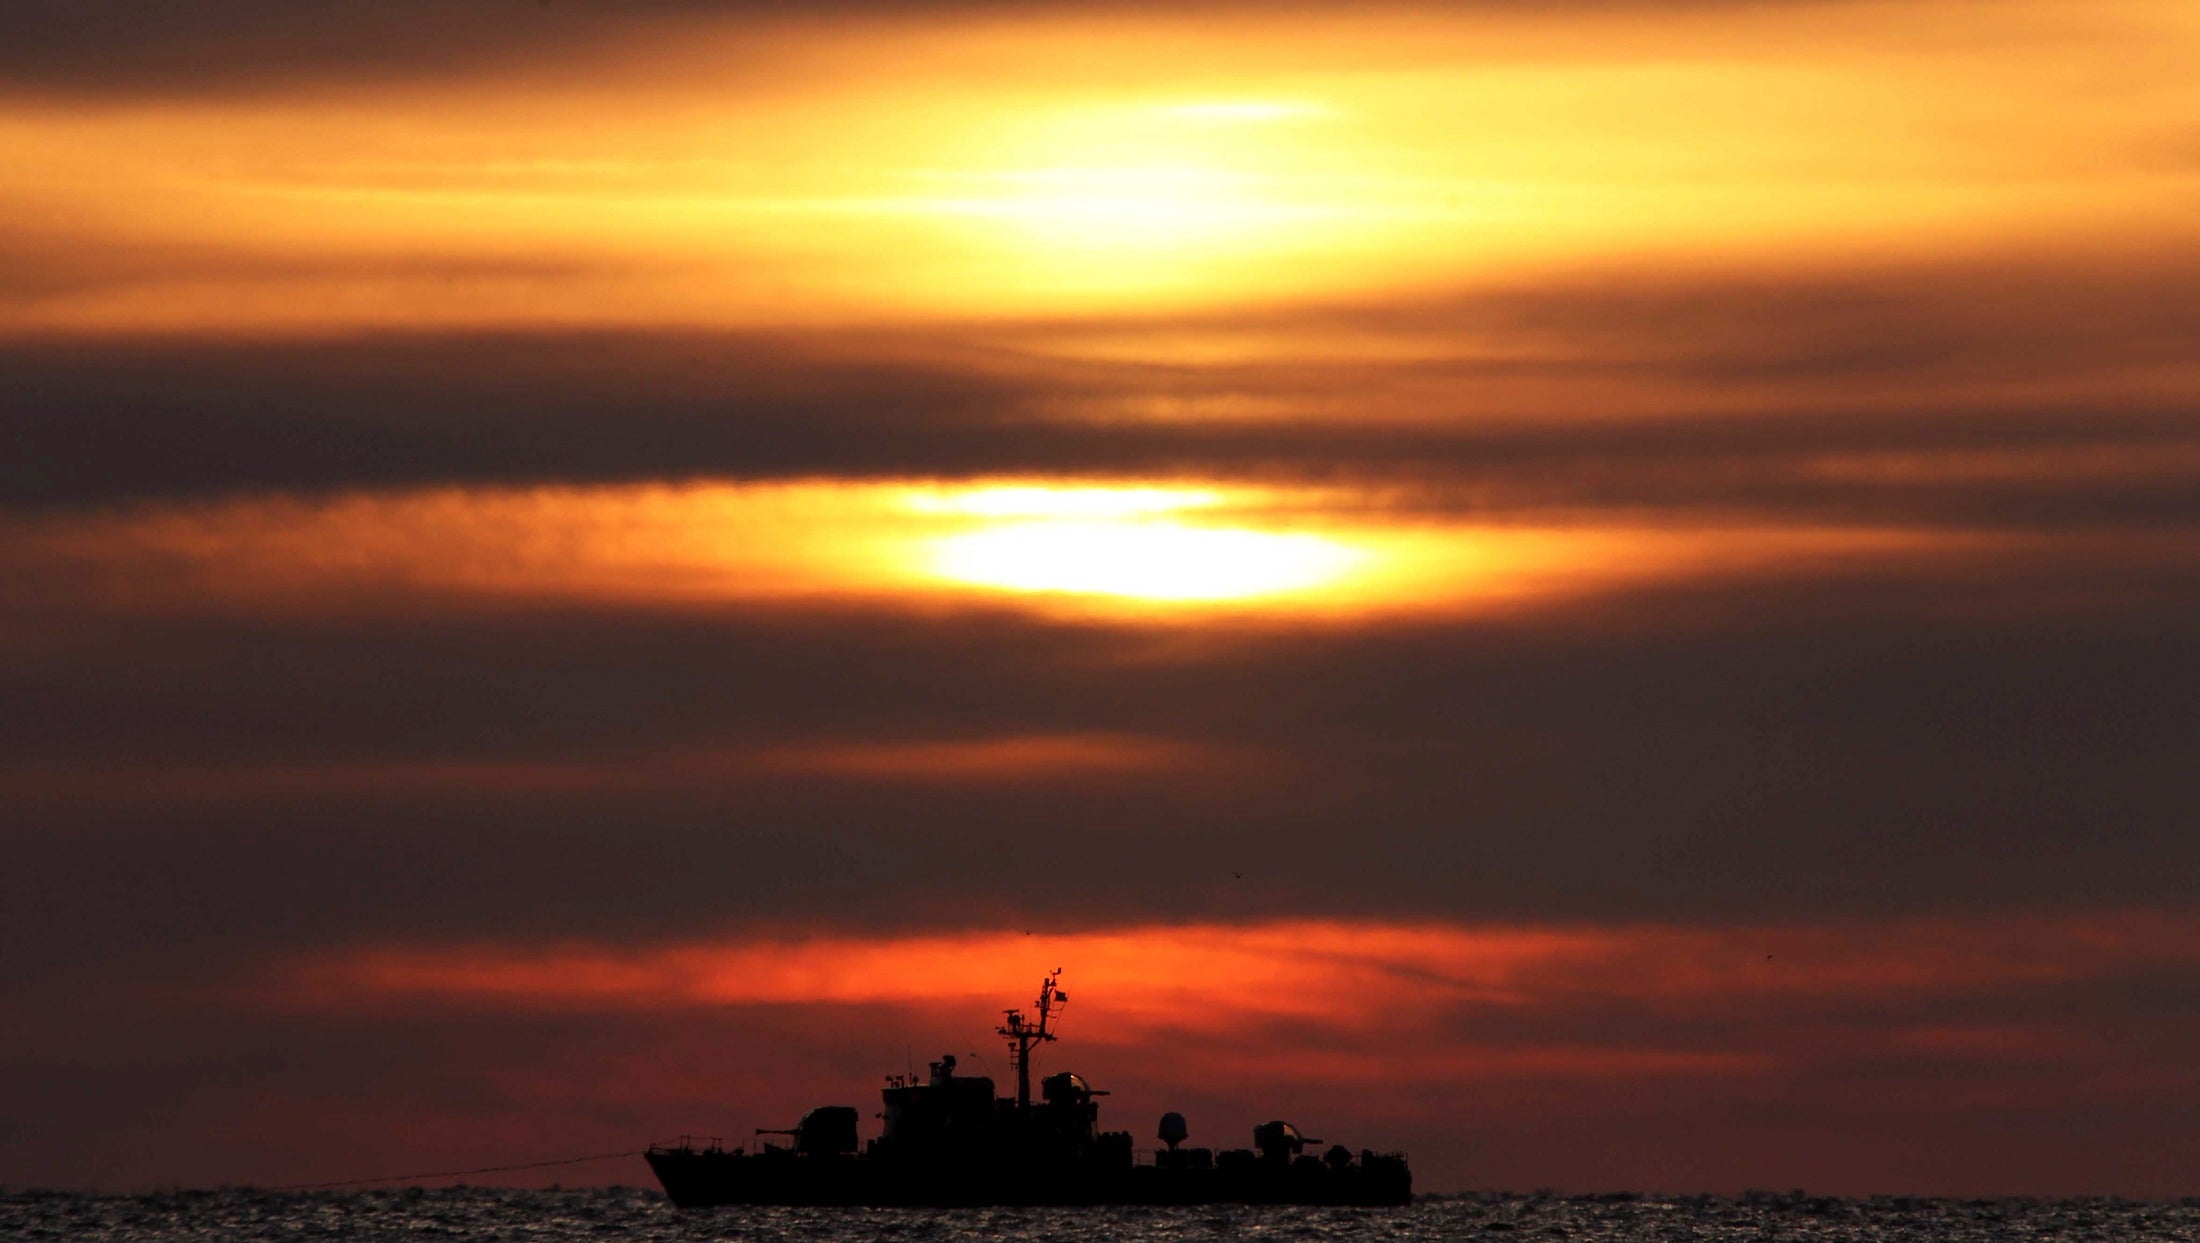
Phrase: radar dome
pixel 1173 1130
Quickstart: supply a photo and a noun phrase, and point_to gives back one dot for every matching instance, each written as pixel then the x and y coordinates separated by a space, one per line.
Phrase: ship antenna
pixel 1022 1033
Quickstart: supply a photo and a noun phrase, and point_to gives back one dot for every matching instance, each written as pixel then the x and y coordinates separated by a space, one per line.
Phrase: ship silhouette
pixel 949 1140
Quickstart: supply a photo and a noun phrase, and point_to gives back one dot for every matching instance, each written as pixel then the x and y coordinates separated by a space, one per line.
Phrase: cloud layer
pixel 1648 546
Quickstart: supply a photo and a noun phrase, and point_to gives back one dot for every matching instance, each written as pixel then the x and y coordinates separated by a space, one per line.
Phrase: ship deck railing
pixel 686 1143
pixel 1145 1156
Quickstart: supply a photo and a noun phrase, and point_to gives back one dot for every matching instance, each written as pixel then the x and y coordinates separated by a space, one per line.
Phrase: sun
pixel 1125 551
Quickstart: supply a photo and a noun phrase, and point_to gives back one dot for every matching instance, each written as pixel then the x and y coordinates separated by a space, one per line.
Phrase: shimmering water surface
pixel 626 1213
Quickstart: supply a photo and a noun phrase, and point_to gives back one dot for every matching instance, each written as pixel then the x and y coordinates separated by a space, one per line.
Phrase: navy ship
pixel 948 1140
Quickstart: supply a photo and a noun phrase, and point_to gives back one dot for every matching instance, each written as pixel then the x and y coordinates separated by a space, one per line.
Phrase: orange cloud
pixel 1002 758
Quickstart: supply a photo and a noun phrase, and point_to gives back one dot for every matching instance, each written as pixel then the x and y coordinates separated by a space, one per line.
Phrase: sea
pixel 244 1215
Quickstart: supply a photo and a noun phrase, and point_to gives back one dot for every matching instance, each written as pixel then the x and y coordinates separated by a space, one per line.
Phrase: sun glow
pixel 1147 175
pixel 1148 551
pixel 1134 207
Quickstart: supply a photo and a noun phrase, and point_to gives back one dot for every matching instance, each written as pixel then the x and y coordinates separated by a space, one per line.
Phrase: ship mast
pixel 1023 1034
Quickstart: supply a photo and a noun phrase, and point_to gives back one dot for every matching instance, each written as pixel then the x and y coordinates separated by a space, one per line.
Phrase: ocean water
pixel 248 1216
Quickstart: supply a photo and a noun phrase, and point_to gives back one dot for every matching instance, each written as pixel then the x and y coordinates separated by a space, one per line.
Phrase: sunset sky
pixel 1606 592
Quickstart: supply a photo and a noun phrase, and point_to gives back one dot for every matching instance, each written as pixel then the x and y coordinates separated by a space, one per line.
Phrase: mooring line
pixel 486 1169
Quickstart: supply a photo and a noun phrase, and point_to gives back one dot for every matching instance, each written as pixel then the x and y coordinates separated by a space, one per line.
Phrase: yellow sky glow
pixel 1047 165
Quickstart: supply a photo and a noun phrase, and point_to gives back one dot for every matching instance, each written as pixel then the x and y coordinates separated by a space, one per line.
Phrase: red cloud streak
pixel 1501 1055
pixel 1341 975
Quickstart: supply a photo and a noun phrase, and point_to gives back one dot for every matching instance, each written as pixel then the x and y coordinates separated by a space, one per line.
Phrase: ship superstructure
pixel 948 1139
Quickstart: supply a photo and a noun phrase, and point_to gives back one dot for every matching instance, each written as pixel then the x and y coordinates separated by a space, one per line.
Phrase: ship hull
pixel 694 1178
